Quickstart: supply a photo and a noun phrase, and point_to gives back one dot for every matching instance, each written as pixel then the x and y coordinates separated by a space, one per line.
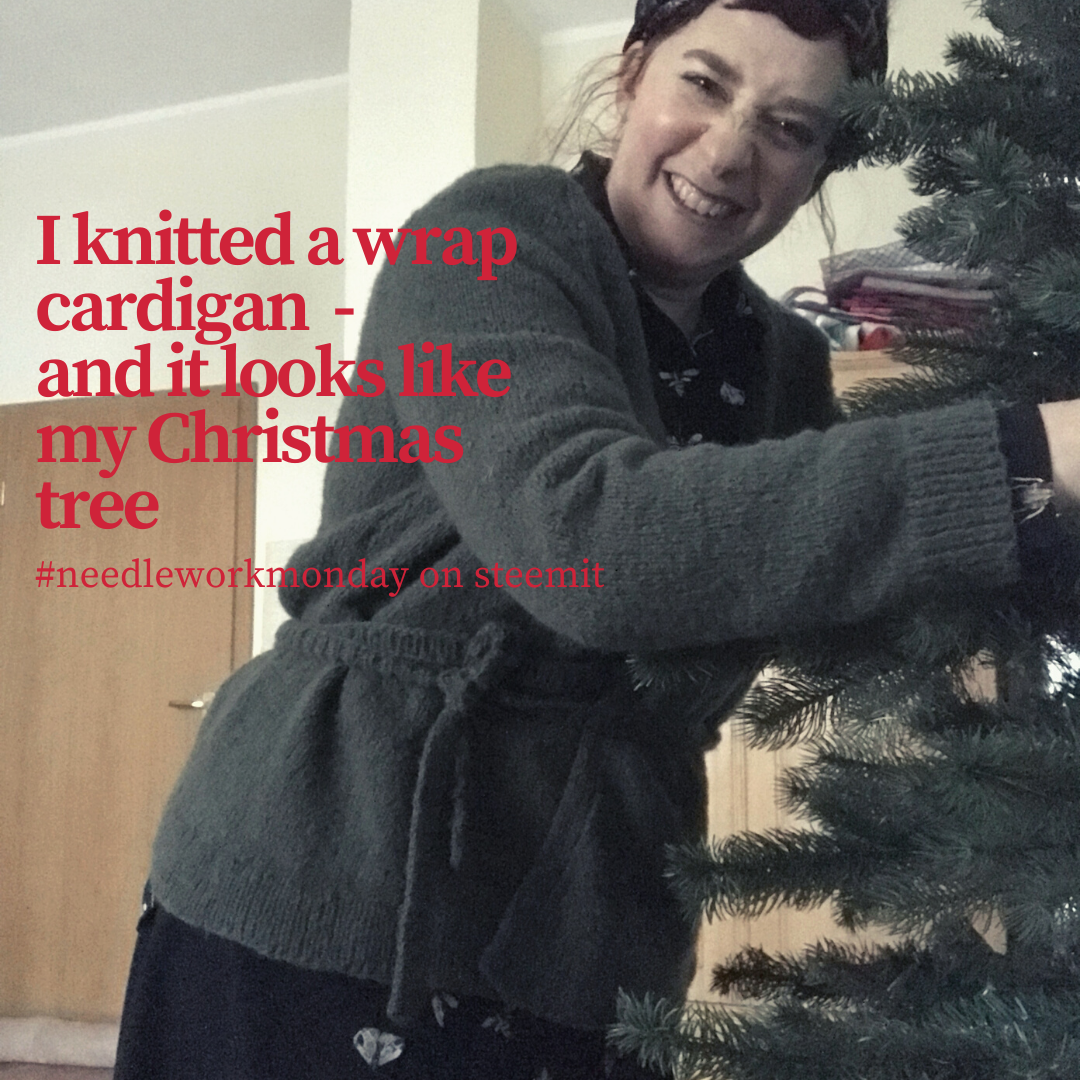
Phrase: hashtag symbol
pixel 45 574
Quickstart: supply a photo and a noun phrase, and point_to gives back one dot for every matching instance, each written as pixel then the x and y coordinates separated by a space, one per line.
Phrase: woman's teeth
pixel 693 198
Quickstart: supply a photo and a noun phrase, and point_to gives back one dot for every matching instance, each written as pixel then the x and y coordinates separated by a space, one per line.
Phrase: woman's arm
pixel 710 543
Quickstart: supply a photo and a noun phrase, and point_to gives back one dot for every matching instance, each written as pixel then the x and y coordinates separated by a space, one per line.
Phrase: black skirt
pixel 200 1007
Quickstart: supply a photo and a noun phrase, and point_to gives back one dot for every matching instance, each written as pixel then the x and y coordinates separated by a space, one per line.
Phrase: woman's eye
pixel 704 83
pixel 791 133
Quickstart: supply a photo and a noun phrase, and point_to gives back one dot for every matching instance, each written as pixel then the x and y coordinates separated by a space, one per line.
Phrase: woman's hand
pixel 1062 422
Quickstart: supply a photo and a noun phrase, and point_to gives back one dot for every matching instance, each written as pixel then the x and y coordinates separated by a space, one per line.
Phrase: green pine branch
pixel 988 1036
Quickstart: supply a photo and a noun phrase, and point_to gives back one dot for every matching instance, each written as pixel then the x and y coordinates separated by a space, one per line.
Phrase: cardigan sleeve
pixel 705 544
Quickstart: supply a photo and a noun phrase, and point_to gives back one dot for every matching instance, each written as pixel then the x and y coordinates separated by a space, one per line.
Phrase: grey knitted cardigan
pixel 456 788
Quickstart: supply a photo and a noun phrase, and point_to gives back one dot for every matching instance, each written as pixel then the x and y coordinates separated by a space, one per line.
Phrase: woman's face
pixel 723 134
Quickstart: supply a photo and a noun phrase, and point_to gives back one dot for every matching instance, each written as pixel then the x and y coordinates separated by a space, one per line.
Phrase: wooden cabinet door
pixel 89 745
pixel 743 787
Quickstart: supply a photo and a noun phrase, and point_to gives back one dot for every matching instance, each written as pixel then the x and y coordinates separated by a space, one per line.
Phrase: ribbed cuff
pixel 964 518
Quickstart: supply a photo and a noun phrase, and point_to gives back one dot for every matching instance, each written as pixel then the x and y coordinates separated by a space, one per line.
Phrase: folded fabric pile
pixel 872 295
pixel 893 285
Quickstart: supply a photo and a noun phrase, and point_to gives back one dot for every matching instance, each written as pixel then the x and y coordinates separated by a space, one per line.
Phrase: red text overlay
pixel 141 573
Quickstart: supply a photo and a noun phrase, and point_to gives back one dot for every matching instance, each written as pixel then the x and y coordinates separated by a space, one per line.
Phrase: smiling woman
pixel 428 830
pixel 725 129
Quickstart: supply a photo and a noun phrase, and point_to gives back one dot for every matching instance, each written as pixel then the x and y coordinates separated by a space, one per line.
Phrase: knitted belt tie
pixel 437 795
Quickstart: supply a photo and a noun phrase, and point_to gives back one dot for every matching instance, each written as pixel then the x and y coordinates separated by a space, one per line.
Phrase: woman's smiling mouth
pixel 691 197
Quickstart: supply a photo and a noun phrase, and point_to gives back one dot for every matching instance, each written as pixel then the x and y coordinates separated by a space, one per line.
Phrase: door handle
pixel 197 703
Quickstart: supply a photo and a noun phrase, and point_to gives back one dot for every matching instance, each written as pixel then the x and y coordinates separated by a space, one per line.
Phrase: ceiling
pixel 71 61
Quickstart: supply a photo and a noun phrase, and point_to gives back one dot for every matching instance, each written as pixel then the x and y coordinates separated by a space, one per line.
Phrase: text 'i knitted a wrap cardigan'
pixel 458 789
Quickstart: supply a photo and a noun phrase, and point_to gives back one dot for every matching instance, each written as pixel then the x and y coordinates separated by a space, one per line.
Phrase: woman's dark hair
pixel 861 25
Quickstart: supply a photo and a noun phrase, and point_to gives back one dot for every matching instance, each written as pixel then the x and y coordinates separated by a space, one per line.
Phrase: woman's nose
pixel 731 143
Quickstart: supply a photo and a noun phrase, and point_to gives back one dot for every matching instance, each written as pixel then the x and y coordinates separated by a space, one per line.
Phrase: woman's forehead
pixel 757 48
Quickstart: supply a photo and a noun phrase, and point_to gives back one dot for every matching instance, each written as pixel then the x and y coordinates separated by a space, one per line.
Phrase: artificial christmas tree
pixel 942 786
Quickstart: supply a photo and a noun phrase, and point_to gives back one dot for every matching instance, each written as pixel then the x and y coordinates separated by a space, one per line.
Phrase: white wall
pixel 412 116
pixel 508 87
pixel 436 89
